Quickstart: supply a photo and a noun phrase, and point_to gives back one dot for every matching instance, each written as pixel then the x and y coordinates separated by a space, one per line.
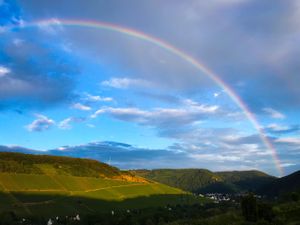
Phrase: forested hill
pixel 45 164
pixel 280 186
pixel 205 181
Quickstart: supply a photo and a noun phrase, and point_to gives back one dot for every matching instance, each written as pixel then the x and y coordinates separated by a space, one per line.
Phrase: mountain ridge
pixel 205 181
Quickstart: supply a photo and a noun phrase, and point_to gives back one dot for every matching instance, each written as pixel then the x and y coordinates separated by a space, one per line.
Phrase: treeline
pixel 186 179
pixel 29 164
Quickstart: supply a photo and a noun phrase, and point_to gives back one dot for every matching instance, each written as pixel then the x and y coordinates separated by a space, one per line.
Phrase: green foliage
pixel 249 208
pixel 205 181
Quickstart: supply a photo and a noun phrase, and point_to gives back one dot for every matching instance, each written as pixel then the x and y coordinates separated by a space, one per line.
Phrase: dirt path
pixel 71 193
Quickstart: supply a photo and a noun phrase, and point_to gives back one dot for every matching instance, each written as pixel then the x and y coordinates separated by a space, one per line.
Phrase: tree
pixel 249 207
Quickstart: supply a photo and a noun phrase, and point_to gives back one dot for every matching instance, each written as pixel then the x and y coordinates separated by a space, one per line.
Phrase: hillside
pixel 290 183
pixel 59 165
pixel 205 181
pixel 48 185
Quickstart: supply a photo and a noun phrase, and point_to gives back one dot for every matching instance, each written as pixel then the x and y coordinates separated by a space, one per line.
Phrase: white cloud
pixel 216 94
pixel 281 129
pixel 51 26
pixel 287 164
pixel 66 124
pixel 41 123
pixel 289 140
pixel 82 107
pixel 124 83
pixel 277 127
pixel 4 71
pixel 131 114
pixel 191 112
pixel 215 157
pixel 97 98
pixel 274 113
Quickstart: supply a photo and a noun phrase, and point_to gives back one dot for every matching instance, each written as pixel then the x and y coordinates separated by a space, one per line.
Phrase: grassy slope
pixel 203 181
pixel 25 193
pixel 49 185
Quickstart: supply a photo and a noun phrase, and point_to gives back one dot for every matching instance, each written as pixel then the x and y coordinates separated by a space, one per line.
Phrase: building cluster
pixel 218 197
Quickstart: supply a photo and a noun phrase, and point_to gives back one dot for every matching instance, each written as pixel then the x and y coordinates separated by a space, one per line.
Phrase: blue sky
pixel 80 91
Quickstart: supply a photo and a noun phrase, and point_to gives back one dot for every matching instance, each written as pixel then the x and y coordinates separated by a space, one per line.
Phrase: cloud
pixel 273 113
pixel 53 28
pixel 4 71
pixel 82 107
pixel 281 129
pixel 66 124
pixel 42 123
pixel 162 117
pixel 124 83
pixel 96 98
pixel 289 140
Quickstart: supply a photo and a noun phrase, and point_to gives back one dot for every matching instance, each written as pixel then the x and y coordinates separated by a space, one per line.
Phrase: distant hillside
pixel 250 180
pixel 205 181
pixel 282 185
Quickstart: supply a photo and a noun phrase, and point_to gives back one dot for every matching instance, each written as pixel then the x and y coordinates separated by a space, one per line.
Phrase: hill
pixel 205 181
pixel 51 185
pixel 59 165
pixel 283 185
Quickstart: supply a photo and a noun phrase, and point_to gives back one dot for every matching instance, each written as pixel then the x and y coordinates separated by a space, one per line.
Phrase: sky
pixel 153 84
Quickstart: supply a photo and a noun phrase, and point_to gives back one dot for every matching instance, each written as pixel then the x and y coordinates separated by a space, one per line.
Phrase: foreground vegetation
pixel 249 211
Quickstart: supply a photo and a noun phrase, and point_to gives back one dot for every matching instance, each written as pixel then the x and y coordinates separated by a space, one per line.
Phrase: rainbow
pixel 181 54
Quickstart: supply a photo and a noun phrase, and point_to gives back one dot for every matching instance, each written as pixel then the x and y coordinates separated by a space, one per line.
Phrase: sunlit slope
pixel 49 185
pixel 37 194
pixel 79 185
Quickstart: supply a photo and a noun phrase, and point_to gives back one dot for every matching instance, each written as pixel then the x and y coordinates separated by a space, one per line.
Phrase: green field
pixel 41 194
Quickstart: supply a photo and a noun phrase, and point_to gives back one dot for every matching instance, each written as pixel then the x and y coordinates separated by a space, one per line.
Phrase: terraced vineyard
pixel 45 190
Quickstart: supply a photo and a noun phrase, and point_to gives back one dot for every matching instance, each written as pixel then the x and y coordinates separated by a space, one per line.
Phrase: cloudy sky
pixel 86 91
